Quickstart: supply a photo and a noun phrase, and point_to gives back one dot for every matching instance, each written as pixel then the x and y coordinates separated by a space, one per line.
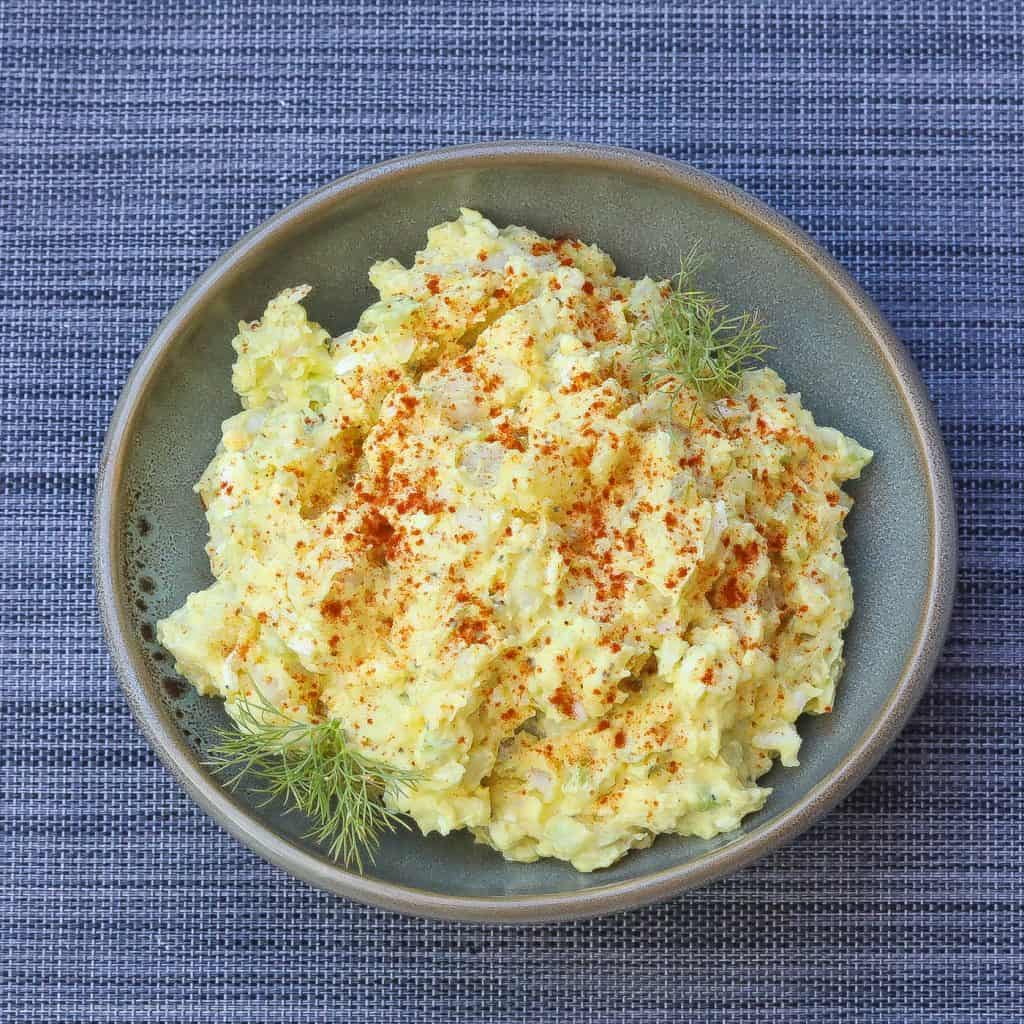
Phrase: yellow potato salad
pixel 586 609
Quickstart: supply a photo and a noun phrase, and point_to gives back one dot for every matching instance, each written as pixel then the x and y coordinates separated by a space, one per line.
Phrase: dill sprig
pixel 315 770
pixel 694 342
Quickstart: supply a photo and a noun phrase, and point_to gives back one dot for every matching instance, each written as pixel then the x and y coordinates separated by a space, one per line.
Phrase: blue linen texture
pixel 140 139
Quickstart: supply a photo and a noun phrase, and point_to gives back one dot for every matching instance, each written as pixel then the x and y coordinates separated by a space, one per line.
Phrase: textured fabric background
pixel 140 139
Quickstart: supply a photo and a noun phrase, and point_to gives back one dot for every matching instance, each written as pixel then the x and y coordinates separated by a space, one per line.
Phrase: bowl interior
pixel 645 222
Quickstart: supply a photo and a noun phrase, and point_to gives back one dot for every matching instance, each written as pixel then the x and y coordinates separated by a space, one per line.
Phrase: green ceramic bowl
pixel 832 345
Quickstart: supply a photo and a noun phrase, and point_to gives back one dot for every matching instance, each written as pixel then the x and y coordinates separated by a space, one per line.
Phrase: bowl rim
pixel 161 731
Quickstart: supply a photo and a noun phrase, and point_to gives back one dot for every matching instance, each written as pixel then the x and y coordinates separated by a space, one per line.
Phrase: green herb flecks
pixel 694 341
pixel 315 770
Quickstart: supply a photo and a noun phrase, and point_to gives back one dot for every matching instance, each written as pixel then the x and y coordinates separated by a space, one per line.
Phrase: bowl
pixel 832 345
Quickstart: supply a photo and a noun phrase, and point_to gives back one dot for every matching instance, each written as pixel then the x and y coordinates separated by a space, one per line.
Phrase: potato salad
pixel 585 606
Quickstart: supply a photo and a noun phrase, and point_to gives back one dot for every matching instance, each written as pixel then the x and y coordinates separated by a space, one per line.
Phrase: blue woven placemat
pixel 139 139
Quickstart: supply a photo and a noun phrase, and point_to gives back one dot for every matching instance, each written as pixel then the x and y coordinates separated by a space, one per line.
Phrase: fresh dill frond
pixel 317 772
pixel 695 342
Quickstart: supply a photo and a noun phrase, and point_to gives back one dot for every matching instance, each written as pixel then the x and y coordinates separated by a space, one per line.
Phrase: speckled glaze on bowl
pixel 832 345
